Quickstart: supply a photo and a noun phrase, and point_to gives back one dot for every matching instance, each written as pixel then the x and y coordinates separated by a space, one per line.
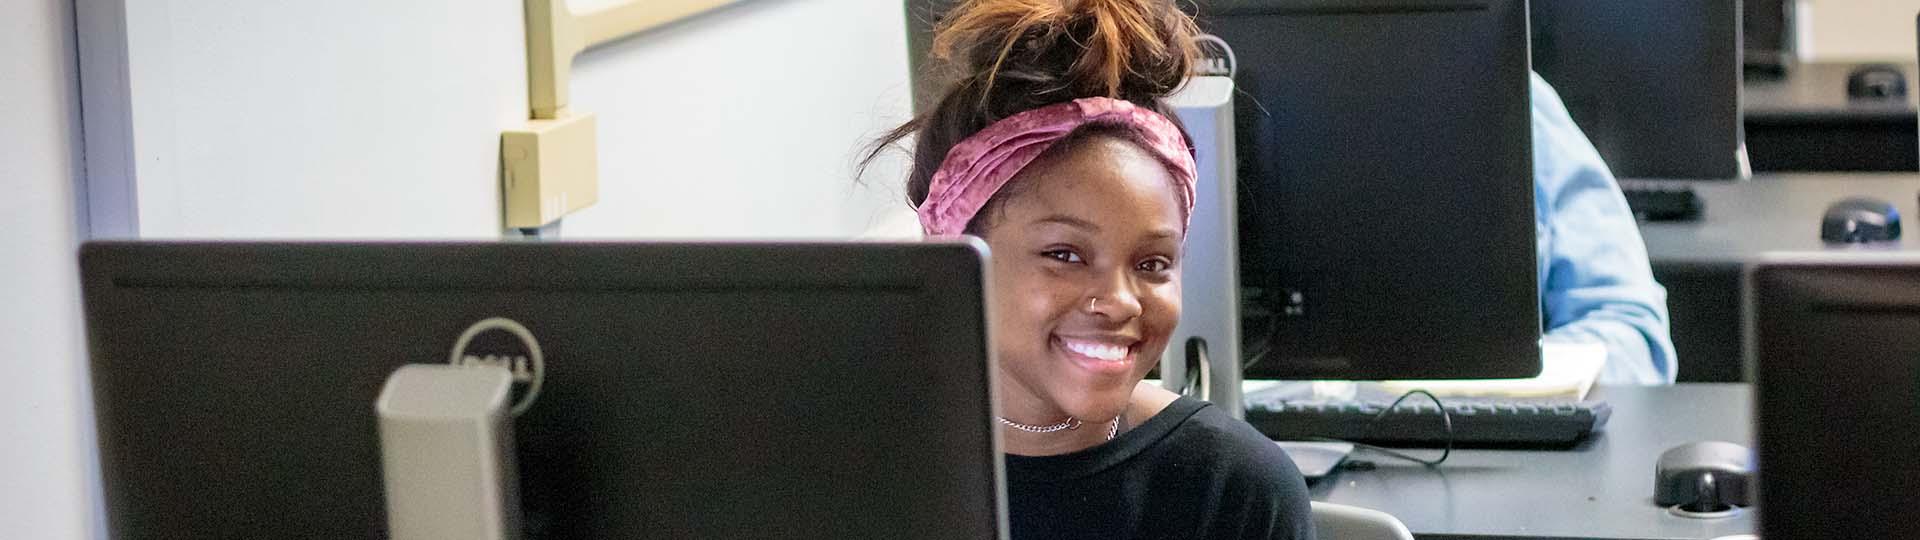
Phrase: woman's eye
pixel 1062 255
pixel 1155 265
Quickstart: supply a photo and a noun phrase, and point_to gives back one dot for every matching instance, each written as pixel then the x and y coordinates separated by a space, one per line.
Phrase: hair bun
pixel 1020 54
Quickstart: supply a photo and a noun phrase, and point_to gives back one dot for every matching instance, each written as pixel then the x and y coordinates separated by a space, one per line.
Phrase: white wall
pixel 46 444
pixel 293 118
pixel 1852 30
pixel 746 122
pixel 372 118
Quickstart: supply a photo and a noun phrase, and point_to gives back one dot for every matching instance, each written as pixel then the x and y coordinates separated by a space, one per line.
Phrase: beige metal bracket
pixel 539 191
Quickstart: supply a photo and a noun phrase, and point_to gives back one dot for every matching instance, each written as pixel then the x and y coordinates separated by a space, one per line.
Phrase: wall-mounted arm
pixel 550 167
pixel 555 34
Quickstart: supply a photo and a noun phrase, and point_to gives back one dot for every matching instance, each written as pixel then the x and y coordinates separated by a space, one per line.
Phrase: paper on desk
pixel 1567 371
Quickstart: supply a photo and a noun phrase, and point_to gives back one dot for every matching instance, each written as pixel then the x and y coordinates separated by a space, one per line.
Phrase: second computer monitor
pixel 1836 344
pixel 1655 84
pixel 1386 201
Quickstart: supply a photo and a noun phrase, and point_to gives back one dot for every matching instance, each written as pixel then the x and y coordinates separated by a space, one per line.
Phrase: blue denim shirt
pixel 1595 281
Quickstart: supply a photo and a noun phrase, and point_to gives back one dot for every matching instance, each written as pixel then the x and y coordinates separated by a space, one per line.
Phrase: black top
pixel 1189 472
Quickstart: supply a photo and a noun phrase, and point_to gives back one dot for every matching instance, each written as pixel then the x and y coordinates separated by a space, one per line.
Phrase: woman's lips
pixel 1102 356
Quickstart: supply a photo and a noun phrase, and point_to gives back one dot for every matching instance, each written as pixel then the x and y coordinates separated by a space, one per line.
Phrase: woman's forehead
pixel 1105 181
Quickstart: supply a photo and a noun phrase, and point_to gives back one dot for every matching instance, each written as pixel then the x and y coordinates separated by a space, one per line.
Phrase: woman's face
pixel 1086 280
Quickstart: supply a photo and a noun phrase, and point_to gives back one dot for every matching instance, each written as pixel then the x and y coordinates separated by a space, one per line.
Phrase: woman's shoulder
pixel 1207 431
pixel 1241 451
pixel 1250 478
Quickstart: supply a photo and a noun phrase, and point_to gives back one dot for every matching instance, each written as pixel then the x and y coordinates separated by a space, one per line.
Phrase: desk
pixel 1603 489
pixel 1805 122
pixel 1700 262
pixel 1776 212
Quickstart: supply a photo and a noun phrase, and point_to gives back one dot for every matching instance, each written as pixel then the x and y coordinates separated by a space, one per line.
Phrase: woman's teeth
pixel 1110 353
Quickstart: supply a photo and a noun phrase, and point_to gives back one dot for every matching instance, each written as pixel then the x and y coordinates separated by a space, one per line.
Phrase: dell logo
pixel 529 370
pixel 516 364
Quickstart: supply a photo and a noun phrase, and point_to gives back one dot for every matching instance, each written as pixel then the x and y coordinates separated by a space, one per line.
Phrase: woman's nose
pixel 1115 298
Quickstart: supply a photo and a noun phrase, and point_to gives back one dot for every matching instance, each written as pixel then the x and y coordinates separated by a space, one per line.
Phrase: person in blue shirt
pixel 1596 284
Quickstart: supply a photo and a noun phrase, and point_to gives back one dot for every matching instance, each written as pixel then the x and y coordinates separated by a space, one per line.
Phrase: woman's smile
pixel 1107 356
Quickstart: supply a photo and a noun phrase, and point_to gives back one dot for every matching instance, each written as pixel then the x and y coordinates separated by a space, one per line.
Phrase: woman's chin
pixel 1089 404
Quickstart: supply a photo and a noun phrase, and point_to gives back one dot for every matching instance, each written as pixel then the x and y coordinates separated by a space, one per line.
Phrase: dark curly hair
pixel 1010 56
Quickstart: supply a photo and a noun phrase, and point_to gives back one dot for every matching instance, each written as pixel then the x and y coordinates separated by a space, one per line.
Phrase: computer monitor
pixel 1766 36
pixel 1836 345
pixel 1386 200
pixel 690 390
pixel 1655 84
pixel 1386 184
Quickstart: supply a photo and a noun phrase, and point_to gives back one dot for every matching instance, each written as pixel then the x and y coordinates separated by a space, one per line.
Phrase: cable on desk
pixel 1199 377
pixel 1446 419
pixel 1190 383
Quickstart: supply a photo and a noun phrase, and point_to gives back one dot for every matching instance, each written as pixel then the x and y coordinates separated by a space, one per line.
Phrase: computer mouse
pixel 1876 81
pixel 1860 219
pixel 1704 478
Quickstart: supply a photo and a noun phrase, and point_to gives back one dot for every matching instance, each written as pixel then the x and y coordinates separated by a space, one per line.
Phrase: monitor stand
pixel 1209 331
pixel 446 448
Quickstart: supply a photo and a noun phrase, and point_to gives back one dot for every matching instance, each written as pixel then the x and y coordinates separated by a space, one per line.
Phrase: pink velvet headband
pixel 980 165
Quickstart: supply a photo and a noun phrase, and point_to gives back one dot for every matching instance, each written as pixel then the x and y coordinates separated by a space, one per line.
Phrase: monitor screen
pixel 1386 218
pixel 1655 84
pixel 1386 188
pixel 690 390
pixel 1837 391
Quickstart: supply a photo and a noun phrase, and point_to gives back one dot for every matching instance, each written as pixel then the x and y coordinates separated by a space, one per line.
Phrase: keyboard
pixel 1651 201
pixel 1476 422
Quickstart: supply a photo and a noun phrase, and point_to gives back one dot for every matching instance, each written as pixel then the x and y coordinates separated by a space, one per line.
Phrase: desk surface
pixel 1817 91
pixel 1603 489
pixel 1776 213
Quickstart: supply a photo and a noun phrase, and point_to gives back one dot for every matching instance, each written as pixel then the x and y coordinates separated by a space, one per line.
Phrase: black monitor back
pixel 1386 201
pixel 1837 382
pixel 1655 84
pixel 691 391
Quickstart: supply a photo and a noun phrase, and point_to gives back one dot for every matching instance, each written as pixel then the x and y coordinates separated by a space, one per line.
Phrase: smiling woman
pixel 1086 288
pixel 1055 148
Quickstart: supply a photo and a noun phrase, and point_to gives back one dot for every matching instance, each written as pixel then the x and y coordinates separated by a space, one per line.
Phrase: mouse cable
pixel 1446 419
